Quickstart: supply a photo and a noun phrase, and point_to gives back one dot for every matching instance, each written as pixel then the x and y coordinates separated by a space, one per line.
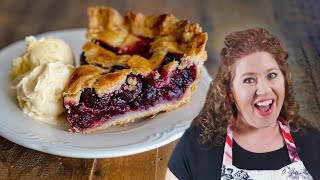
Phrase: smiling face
pixel 258 90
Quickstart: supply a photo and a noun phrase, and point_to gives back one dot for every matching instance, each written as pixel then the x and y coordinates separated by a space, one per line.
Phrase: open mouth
pixel 264 108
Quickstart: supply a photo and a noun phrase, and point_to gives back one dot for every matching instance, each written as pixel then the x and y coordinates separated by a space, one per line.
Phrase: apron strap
pixel 292 150
pixel 227 154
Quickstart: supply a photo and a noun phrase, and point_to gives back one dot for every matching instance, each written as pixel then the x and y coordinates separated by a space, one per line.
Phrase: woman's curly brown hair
pixel 219 110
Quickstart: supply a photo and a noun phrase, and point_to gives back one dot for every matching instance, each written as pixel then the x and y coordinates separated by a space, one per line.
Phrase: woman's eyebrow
pixel 247 74
pixel 272 69
pixel 252 73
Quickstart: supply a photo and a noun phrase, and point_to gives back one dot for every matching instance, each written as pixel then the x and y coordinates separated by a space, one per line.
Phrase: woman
pixel 249 127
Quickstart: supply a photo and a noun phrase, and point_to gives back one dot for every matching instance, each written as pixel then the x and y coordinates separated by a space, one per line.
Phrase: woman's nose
pixel 263 87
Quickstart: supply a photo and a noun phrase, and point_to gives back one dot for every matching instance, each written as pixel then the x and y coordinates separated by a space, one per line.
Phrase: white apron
pixel 295 170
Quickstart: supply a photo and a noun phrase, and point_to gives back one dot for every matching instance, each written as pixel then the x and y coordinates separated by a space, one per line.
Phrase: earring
pixel 231 97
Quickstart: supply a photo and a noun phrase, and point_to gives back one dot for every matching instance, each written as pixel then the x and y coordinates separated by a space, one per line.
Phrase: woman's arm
pixel 170 175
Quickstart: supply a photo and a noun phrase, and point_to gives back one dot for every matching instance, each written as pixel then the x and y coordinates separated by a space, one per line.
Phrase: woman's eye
pixel 272 75
pixel 248 80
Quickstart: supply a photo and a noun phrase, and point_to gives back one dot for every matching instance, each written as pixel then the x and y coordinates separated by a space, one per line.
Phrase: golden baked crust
pixel 97 55
pixel 167 33
pixel 169 49
pixel 89 76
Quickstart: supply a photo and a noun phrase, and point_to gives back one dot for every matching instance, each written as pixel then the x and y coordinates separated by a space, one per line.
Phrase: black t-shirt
pixel 191 160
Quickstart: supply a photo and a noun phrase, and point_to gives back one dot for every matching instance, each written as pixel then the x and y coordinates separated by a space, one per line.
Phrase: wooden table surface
pixel 296 22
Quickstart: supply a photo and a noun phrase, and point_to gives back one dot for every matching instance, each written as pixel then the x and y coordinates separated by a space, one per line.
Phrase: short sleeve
pixel 179 163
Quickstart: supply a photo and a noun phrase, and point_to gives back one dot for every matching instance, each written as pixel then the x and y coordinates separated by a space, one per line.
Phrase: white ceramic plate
pixel 135 138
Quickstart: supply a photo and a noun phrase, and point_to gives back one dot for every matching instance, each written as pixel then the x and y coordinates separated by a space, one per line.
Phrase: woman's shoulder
pixel 307 141
pixel 193 136
pixel 192 159
pixel 308 133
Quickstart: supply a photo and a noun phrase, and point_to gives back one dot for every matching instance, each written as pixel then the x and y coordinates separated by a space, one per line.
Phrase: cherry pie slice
pixel 133 66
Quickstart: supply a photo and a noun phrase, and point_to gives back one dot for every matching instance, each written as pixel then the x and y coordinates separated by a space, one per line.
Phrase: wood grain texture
pixel 17 162
pixel 148 165
pixel 295 22
pixel 298 30
pixel 162 159
pixel 135 167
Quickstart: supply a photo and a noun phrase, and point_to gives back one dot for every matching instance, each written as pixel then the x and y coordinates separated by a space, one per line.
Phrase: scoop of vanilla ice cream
pixel 39 91
pixel 39 52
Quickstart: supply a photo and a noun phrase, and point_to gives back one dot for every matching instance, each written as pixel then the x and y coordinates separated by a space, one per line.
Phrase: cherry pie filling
pixel 147 92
